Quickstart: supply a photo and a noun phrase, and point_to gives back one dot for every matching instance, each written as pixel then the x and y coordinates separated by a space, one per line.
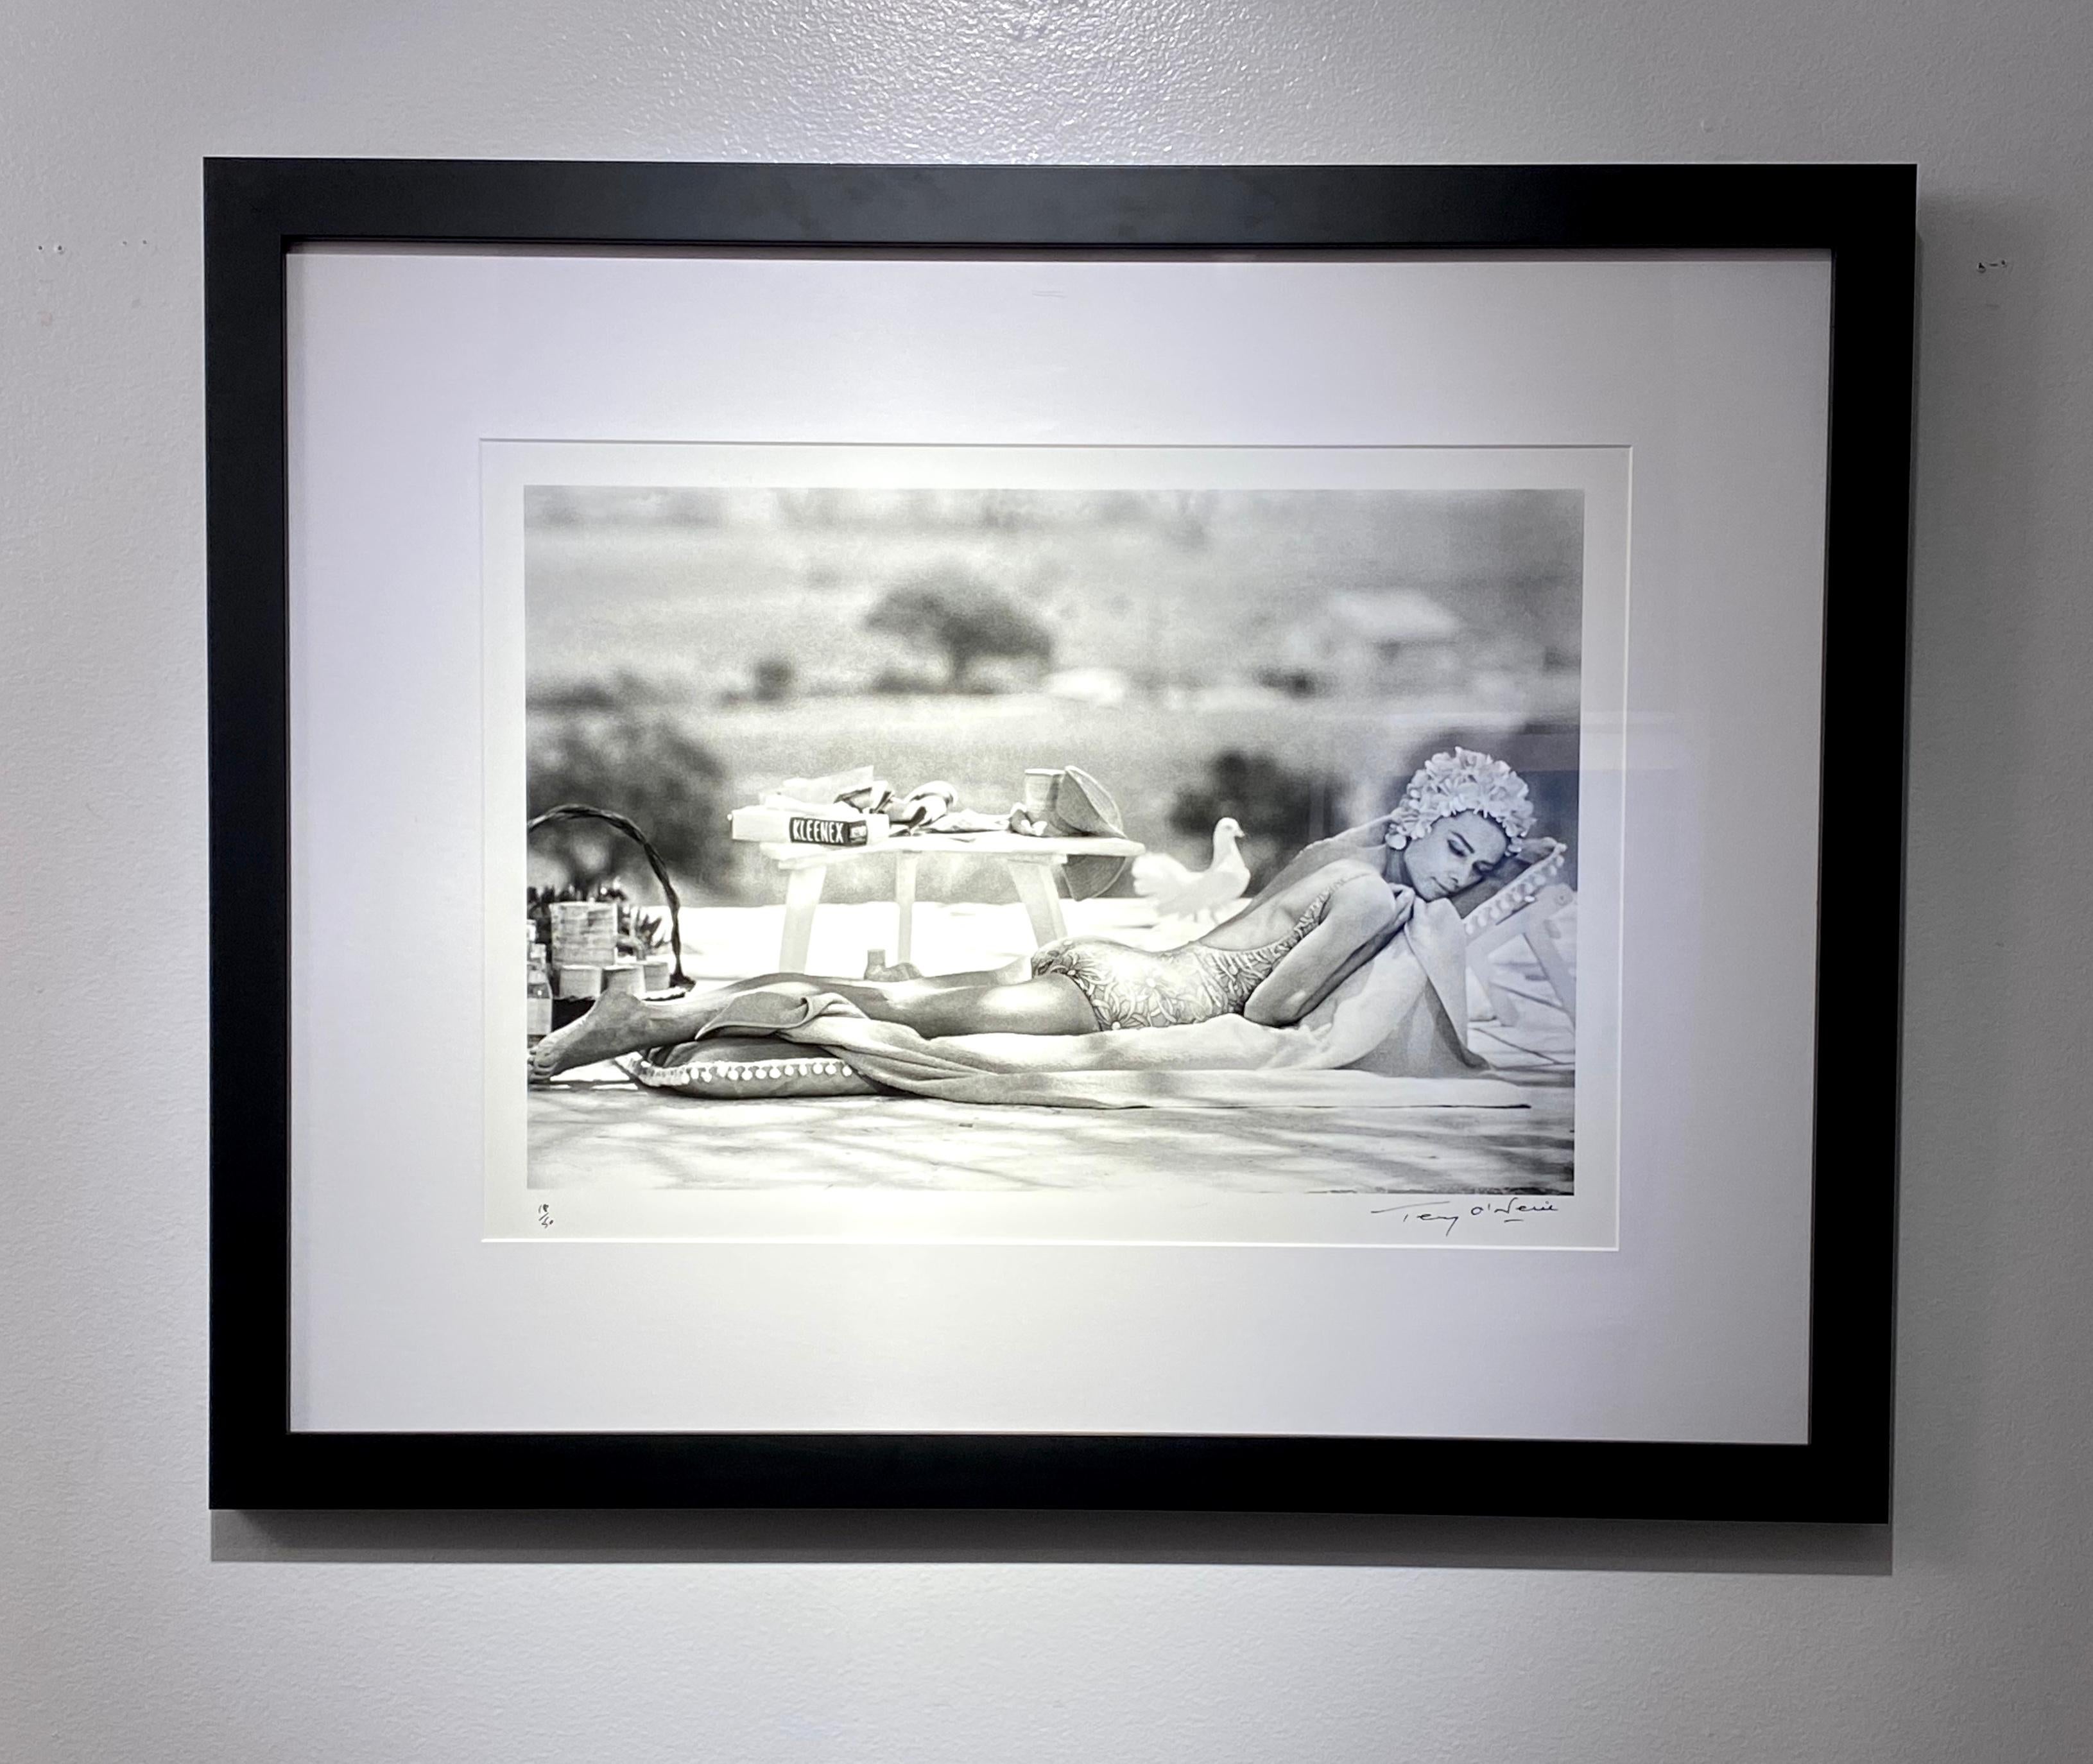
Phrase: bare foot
pixel 618 1023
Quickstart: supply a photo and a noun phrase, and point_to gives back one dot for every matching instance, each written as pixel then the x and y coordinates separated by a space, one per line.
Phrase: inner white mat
pixel 1712 373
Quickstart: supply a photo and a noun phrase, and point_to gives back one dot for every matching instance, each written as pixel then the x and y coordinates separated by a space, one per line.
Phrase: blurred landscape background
pixel 1285 658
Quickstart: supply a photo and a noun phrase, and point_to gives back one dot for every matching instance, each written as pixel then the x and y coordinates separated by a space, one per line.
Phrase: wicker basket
pixel 680 981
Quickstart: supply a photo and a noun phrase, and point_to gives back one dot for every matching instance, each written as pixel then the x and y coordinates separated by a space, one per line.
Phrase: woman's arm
pixel 1366 843
pixel 1361 918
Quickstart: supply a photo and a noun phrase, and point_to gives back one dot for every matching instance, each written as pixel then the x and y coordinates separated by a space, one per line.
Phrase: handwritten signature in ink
pixel 1503 1209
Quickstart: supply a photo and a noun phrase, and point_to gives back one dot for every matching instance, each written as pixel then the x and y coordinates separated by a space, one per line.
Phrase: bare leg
pixel 1049 1004
pixel 618 1023
pixel 976 1004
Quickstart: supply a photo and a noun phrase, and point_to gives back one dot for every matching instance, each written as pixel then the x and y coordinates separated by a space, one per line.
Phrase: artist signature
pixel 1505 1209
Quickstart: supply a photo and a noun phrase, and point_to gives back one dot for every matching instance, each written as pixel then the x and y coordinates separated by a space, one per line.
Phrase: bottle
pixel 538 997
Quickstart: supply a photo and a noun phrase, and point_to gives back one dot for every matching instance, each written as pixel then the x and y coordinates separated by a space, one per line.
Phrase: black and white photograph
pixel 1178 847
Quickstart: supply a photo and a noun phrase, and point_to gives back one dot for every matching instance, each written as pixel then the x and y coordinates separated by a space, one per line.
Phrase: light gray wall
pixel 120 1635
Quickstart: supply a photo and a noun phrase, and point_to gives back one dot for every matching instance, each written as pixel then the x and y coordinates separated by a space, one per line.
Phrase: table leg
pixel 1034 878
pixel 904 904
pixel 802 894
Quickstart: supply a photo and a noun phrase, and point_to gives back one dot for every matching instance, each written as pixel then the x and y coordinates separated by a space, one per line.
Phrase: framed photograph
pixel 1036 837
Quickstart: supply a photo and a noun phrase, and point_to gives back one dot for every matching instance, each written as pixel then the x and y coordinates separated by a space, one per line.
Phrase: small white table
pixel 1031 863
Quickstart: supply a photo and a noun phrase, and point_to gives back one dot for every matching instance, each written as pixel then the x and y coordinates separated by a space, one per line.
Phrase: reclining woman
pixel 1329 912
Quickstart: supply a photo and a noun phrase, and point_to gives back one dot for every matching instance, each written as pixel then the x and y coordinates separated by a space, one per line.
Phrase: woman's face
pixel 1458 852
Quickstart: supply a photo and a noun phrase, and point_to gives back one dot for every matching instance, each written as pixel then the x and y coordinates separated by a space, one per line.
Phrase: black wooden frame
pixel 257 210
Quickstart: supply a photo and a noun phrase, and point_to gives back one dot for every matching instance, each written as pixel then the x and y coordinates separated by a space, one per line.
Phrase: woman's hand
pixel 1365 840
pixel 1373 832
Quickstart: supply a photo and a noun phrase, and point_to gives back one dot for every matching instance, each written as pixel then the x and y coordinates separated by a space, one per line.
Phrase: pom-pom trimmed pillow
pixel 749 1067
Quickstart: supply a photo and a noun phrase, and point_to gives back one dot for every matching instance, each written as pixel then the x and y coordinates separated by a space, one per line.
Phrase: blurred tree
pixel 775 678
pixel 645 767
pixel 952 610
pixel 1280 809
pixel 1190 521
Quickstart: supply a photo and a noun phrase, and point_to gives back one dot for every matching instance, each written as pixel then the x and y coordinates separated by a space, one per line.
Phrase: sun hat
pixel 1081 808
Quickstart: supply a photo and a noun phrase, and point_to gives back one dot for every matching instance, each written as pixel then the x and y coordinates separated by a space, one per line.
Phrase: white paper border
pixel 1585 1219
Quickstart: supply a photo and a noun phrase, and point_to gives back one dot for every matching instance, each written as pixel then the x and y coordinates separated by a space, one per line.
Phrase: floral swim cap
pixel 1456 783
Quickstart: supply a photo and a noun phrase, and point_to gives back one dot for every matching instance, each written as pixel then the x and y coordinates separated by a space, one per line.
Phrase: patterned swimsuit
pixel 1130 988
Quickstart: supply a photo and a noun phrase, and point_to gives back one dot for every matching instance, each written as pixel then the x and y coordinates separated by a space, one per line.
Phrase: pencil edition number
pixel 545 1216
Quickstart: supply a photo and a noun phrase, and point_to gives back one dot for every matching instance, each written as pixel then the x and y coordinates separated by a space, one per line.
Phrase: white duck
pixel 1180 893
